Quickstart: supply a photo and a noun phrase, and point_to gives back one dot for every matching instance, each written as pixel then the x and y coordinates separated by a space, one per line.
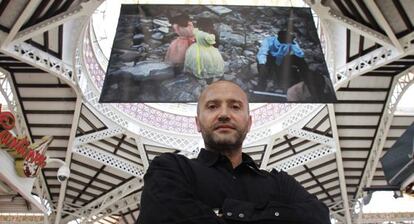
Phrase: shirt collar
pixel 210 158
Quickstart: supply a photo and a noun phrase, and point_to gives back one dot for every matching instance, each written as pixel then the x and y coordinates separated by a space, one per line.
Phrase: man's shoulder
pixel 170 157
pixel 281 175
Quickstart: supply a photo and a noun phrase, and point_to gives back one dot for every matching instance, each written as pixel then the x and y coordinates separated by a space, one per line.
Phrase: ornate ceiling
pixel 52 81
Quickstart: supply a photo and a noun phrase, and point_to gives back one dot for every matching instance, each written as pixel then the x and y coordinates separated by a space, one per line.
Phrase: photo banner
pixel 169 53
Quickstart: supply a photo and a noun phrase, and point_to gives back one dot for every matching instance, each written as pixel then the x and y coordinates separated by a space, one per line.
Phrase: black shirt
pixel 178 190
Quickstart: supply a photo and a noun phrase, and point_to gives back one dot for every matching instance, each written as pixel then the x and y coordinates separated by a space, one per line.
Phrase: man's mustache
pixel 224 125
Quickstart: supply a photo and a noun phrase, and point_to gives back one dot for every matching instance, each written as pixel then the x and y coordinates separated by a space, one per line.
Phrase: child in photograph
pixel 206 25
pixel 202 59
pixel 184 28
pixel 276 56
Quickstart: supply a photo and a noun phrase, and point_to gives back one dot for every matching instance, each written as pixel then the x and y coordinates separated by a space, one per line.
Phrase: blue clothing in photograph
pixel 271 45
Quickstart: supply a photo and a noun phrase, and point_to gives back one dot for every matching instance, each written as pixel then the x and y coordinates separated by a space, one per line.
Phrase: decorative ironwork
pixel 106 204
pixel 302 158
pixel 311 136
pixel 117 207
pixel 401 83
pixel 386 217
pixel 109 160
pixel 171 140
pixel 257 135
pixel 9 94
pixel 96 136
pixel 45 61
pixel 300 112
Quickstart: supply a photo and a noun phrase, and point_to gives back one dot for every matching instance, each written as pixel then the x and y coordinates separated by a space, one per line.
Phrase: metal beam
pixel 339 164
pixel 10 95
pixel 359 28
pixel 376 12
pixel 387 217
pixel 118 206
pixel 86 8
pixel 44 61
pixel 372 61
pixel 296 119
pixel 99 135
pixel 142 152
pixel 102 204
pixel 268 151
pixel 109 159
pixel 311 136
pixel 325 12
pixel 68 156
pixel 400 85
pixel 303 158
pixel 23 17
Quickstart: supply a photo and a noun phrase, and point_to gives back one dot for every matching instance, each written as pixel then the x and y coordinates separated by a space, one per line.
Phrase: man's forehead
pixel 223 90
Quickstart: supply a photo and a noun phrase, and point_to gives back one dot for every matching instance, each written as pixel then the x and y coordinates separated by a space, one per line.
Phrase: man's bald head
pixel 222 84
pixel 223 117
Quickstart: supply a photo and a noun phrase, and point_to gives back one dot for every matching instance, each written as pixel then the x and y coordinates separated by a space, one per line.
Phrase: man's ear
pixel 198 124
pixel 250 123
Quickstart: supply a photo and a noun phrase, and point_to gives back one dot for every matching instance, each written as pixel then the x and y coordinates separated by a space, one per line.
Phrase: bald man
pixel 223 185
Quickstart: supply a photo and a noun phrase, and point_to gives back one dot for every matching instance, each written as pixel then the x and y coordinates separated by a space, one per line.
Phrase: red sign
pixel 30 158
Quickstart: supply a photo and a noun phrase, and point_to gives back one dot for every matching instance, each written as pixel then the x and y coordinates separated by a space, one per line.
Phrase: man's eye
pixel 236 107
pixel 211 106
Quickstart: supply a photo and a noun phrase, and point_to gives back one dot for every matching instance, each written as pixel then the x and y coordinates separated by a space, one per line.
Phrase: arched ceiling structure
pixel 51 79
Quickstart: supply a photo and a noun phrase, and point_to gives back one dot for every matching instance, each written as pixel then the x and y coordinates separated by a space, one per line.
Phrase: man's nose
pixel 224 115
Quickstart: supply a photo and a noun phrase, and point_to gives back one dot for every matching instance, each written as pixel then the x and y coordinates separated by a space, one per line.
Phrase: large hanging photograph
pixel 169 53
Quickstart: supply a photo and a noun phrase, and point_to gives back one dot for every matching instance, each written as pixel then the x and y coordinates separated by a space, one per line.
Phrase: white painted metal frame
pixel 311 136
pixel 293 124
pixel 339 164
pixel 85 8
pixel 24 16
pixel 303 158
pixel 9 93
pixel 397 217
pixel 331 14
pixel 105 204
pixel 57 67
pixel 42 60
pixel 389 52
pixel 45 199
pixel 400 85
pixel 99 135
pixel 142 153
pixel 118 206
pixel 268 151
pixel 68 156
pixel 109 159
pixel 376 12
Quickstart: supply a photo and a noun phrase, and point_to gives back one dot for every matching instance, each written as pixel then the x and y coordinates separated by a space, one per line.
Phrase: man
pixel 223 185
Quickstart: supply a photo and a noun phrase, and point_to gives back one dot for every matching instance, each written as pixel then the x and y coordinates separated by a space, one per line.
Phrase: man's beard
pixel 222 144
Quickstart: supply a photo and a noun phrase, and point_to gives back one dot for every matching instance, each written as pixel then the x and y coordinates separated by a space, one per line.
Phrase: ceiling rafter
pixel 83 9
pixel 309 170
pixel 399 85
pixel 403 15
pixel 39 9
pixel 351 24
pixel 27 12
pixel 339 163
pixel 3 6
pixel 384 23
pixel 389 70
pixel 141 151
pixel 68 157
